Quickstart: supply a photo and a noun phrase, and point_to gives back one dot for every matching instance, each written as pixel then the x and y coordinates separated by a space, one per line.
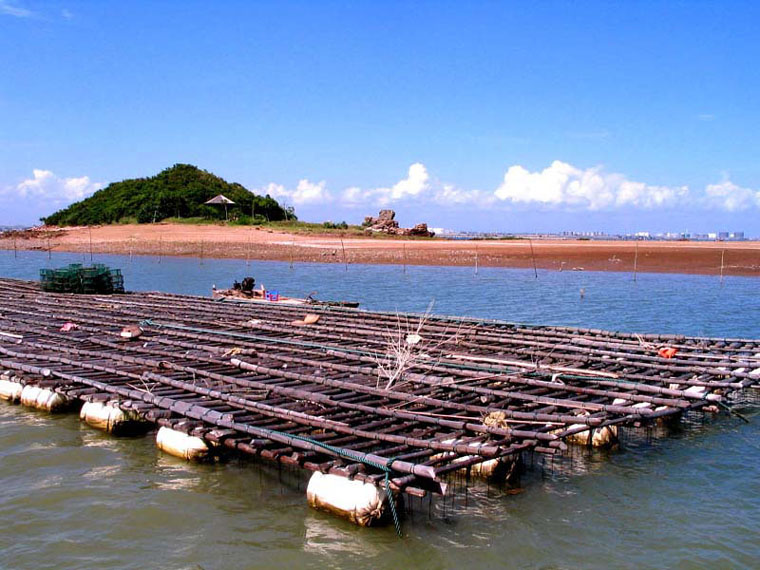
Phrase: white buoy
pixel 44 399
pixel 109 417
pixel 182 445
pixel 500 469
pixel 363 504
pixel 600 437
pixel 10 390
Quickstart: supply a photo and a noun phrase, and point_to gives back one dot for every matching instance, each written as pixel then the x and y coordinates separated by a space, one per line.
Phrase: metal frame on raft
pixel 398 401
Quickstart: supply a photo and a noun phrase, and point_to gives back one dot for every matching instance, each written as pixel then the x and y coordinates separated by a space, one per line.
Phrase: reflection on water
pixel 74 497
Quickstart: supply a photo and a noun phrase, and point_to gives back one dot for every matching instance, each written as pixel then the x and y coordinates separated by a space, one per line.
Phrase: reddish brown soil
pixel 739 258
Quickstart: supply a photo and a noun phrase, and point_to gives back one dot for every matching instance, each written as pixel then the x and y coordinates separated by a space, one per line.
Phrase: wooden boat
pixel 261 294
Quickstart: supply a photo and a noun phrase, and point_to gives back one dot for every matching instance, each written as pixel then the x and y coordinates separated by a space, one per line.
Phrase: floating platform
pixel 399 401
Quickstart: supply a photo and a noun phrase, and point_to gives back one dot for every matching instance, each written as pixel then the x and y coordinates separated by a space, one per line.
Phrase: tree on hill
pixel 179 191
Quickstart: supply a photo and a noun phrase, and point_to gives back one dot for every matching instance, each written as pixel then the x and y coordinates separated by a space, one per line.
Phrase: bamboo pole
pixel 345 259
pixel 15 250
pixel 477 261
pixel 48 248
pixel 533 257
pixel 201 258
pixel 722 258
pixel 160 247
pixel 292 247
pixel 89 230
pixel 403 258
pixel 635 259
pixel 248 251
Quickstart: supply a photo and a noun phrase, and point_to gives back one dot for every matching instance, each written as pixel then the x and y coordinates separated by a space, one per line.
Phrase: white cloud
pixel 45 185
pixel 9 8
pixel 415 185
pixel 559 186
pixel 562 184
pixel 305 192
pixel 730 197
pixel 449 194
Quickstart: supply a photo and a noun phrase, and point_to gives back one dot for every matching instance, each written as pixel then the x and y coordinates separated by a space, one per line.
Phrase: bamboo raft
pixel 370 396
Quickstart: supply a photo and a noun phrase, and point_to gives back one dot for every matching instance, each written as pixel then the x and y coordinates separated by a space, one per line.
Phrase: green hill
pixel 177 192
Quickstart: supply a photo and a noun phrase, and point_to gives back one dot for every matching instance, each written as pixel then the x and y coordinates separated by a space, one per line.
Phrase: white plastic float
pixel 109 417
pixel 10 390
pixel 44 399
pixel 363 504
pixel 182 445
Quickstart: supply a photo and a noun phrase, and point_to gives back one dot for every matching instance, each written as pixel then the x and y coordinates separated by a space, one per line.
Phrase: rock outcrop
pixel 386 223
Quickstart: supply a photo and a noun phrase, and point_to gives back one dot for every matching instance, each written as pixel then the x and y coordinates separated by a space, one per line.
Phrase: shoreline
pixel 260 243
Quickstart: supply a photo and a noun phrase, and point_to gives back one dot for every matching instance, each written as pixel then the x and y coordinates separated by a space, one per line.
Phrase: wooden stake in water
pixel 160 247
pixel 477 261
pixel 131 247
pixel 201 262
pixel 48 240
pixel 722 259
pixel 15 251
pixel 89 230
pixel 533 257
pixel 292 247
pixel 636 261
pixel 248 251
pixel 345 259
pixel 403 260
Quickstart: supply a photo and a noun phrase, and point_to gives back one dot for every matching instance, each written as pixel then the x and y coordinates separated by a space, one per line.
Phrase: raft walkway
pixel 371 396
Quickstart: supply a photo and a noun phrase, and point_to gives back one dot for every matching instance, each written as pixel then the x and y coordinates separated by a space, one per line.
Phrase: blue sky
pixel 545 116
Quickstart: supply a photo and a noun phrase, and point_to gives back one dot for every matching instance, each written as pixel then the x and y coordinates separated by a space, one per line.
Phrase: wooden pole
pixel 343 247
pixel 722 259
pixel 49 255
pixel 292 247
pixel 15 251
pixel 160 247
pixel 89 230
pixel 131 246
pixel 533 257
pixel 201 261
pixel 248 251
pixel 477 260
pixel 404 257
pixel 636 260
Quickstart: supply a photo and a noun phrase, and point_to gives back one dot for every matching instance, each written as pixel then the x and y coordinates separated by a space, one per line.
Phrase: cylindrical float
pixel 363 504
pixel 182 445
pixel 109 417
pixel 598 437
pixel 10 390
pixel 44 399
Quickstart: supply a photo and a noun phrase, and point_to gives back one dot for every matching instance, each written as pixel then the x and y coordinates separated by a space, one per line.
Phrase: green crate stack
pixel 74 278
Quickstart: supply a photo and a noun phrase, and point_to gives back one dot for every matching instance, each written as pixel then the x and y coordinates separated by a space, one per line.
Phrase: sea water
pixel 76 498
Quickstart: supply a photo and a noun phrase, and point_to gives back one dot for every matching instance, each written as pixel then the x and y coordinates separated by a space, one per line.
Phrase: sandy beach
pixel 737 258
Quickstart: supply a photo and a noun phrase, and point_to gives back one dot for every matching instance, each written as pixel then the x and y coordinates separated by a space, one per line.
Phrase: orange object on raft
pixel 667 352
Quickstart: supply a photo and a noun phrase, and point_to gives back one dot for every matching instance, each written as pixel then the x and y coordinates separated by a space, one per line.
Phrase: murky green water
pixel 73 497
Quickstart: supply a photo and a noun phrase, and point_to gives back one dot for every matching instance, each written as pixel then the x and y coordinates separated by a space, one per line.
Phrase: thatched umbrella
pixel 221 199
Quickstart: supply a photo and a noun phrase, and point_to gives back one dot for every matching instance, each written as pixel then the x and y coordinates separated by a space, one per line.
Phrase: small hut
pixel 221 199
